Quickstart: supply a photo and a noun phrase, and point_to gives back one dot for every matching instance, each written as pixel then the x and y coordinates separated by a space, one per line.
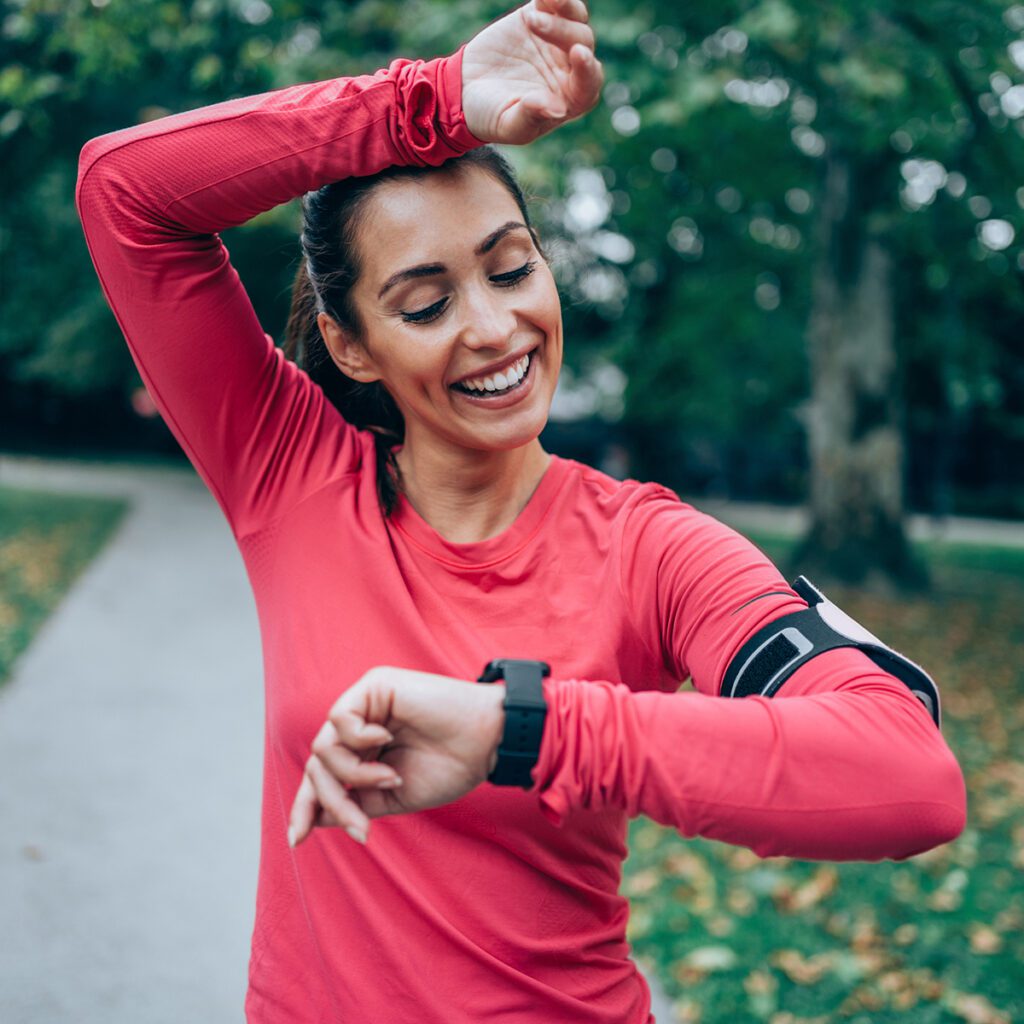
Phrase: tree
pixel 888 143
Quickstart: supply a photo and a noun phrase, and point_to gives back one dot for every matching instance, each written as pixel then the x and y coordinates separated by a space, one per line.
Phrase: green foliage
pixel 46 540
pixel 715 122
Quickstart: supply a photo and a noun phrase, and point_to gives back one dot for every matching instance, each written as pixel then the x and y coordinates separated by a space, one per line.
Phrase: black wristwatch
pixel 525 711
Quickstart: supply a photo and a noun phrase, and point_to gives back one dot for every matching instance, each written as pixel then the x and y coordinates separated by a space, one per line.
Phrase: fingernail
pixel 380 730
pixel 541 20
pixel 357 834
pixel 291 836
pixel 393 783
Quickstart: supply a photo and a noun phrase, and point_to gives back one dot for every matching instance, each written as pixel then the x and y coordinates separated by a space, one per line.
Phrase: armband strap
pixel 775 652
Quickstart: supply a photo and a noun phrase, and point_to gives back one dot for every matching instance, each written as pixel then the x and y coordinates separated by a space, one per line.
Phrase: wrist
pixel 451 114
pixel 494 723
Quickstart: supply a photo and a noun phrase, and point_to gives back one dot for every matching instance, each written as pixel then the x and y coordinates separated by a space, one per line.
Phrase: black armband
pixel 775 652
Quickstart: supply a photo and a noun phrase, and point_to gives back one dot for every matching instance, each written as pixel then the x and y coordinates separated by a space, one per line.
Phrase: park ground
pixel 134 825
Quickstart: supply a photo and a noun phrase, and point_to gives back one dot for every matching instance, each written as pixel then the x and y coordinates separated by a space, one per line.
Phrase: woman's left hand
pixel 529 72
pixel 397 740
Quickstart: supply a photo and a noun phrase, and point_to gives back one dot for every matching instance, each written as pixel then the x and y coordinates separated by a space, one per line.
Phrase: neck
pixel 466 495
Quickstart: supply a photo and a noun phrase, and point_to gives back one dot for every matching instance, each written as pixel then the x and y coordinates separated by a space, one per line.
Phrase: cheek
pixel 417 357
pixel 553 317
pixel 547 305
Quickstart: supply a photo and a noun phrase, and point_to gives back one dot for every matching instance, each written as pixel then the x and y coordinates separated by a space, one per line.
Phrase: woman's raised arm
pixel 152 198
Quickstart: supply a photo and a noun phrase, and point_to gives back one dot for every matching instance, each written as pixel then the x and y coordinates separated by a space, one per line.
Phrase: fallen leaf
pixel 810 893
pixel 740 901
pixel 800 969
pixel 865 934
pixel 641 883
pixel 720 925
pixel 760 983
pixel 1009 920
pixel 687 1011
pixel 984 940
pixel 975 1009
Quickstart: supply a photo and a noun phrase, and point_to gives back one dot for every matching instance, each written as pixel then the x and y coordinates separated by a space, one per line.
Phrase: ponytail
pixel 365 406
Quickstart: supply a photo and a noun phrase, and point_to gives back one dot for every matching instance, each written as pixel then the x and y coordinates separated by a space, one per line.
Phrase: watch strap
pixel 525 713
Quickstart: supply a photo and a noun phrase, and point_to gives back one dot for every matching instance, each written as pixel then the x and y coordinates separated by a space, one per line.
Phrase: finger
pixel 561 32
pixel 324 818
pixel 303 813
pixel 585 79
pixel 375 803
pixel 360 737
pixel 574 9
pixel 334 799
pixel 350 770
pixel 353 731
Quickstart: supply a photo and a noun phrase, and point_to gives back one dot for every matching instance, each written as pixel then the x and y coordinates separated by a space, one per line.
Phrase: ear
pixel 348 354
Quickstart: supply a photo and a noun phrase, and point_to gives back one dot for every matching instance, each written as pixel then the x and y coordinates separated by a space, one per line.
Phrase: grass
pixel 46 540
pixel 936 939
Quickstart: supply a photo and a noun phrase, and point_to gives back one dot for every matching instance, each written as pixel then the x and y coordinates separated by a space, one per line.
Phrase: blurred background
pixel 790 243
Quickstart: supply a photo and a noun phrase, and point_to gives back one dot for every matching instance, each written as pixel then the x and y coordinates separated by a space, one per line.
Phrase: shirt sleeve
pixel 152 198
pixel 843 764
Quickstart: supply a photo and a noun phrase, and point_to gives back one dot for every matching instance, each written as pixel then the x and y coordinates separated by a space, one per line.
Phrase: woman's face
pixel 461 316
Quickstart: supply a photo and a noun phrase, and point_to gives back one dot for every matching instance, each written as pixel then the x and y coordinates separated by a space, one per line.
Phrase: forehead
pixel 438 218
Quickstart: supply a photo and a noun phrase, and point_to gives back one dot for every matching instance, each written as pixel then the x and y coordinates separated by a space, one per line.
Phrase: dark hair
pixel 328 272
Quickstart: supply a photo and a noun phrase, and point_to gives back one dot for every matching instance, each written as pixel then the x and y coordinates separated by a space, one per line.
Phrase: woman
pixel 441 536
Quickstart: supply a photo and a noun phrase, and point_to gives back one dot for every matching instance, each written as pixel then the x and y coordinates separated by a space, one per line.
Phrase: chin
pixel 508 442
pixel 520 431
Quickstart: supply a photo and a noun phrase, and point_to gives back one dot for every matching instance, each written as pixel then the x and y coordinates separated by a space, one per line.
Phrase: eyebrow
pixel 431 269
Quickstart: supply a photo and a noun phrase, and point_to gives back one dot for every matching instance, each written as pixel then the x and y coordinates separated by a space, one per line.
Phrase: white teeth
pixel 502 380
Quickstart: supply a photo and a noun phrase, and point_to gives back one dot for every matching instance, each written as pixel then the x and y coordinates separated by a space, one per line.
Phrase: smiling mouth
pixel 495 380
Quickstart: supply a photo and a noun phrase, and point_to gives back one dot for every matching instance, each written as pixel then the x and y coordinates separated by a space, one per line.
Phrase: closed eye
pixel 428 313
pixel 435 309
pixel 514 277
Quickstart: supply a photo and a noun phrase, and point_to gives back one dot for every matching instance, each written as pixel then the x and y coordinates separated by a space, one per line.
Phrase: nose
pixel 489 320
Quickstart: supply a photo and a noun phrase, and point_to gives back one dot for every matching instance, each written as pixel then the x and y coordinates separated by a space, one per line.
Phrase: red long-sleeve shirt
pixel 502 906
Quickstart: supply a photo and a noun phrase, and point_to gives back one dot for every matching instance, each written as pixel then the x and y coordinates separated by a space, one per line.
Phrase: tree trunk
pixel 853 419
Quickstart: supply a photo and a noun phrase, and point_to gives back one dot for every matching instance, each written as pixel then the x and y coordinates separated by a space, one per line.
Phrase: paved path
pixel 791 522
pixel 130 760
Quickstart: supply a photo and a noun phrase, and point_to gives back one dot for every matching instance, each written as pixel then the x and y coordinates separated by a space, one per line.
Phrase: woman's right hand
pixel 396 741
pixel 530 71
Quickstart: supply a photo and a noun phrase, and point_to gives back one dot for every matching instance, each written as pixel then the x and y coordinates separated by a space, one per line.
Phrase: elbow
pixel 937 813
pixel 106 196
pixel 114 199
pixel 921 785
pixel 86 159
pixel 90 155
